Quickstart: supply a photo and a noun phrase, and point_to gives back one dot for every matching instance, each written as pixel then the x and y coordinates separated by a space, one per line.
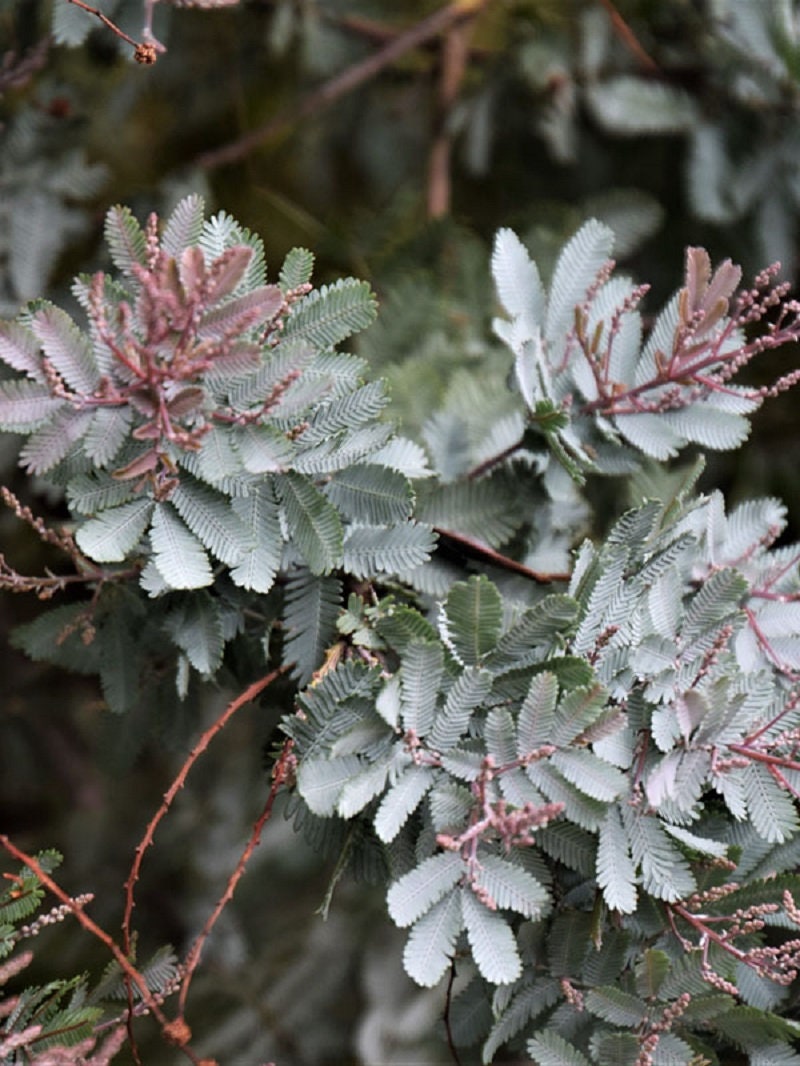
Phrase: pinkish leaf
pixel 186 400
pixel 192 269
pixel 227 271
pixel 242 313
pixel 142 464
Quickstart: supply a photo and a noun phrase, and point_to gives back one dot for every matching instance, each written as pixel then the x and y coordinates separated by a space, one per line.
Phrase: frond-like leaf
pixel 115 532
pixel 331 314
pixel 313 522
pixel 417 891
pixel 179 555
pixel 313 604
pixel 431 943
pixel 473 615
pixel 494 948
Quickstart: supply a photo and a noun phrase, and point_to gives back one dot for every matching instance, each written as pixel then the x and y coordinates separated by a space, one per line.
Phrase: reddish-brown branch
pixel 778 761
pixel 142 52
pixel 627 35
pixel 345 82
pixel 454 58
pixel 132 974
pixel 471 546
pixel 280 773
pixel 219 723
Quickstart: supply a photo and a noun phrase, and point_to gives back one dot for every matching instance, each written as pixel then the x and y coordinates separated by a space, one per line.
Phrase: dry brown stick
pixel 129 970
pixel 477 549
pixel 345 82
pixel 219 723
pixel 280 773
pixel 455 54
pixel 143 52
pixel 628 36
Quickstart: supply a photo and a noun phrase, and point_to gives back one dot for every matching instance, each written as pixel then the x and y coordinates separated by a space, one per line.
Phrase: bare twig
pixel 219 723
pixel 627 35
pixel 281 772
pixel 143 51
pixel 455 54
pixel 471 546
pixel 345 82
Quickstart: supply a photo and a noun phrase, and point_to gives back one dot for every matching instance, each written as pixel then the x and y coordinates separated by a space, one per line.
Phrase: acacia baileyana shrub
pixel 579 784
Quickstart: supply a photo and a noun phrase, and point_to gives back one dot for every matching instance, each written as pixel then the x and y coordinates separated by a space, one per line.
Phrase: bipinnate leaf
pixel 66 348
pixel 296 270
pixel 179 555
pixel 312 606
pixel 651 969
pixel 212 519
pixel 473 614
pixel 370 494
pixel 125 239
pixel 331 314
pixel 371 550
pixel 431 942
pixel 616 1006
pixel 491 940
pixel 401 800
pixel 19 349
pixel 258 565
pixel 363 787
pixel 576 270
pixel 108 431
pixel 417 891
pixel 537 714
pixel 615 870
pixel 184 226
pixel 469 691
pixel 196 627
pixel 422 668
pixel 547 1048
pixel 313 522
pixel 25 405
pixel 511 888
pixel 115 532
pixel 49 444
pixel 517 279
pixel 320 781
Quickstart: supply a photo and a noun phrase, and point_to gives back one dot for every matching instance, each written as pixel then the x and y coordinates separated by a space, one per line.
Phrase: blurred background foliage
pixel 393 139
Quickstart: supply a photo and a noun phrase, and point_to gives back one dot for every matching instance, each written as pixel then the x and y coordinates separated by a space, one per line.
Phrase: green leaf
pixel 547 1048
pixel 179 555
pixel 312 606
pixel 511 888
pixel 371 495
pixel 576 270
pixel 372 550
pixel 430 947
pixel 616 873
pixel 109 430
pixel 537 714
pixel 196 627
pixel 615 1006
pixel 25 405
pixel 111 536
pixel 259 563
pixel 401 800
pixel 66 348
pixel 320 781
pixel 494 948
pixel 651 969
pixel 420 673
pixel 468 692
pixel 184 226
pixel 46 447
pixel 296 269
pixel 313 522
pixel 517 279
pixel 417 891
pixel 331 314
pixel 473 614
pixel 212 519
pixel 19 349
pixel 125 239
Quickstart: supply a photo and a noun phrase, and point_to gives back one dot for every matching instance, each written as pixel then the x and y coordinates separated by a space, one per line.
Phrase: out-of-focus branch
pixel 345 82
pixel 454 57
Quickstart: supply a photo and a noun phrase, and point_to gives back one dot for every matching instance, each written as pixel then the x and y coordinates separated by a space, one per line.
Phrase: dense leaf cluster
pixel 581 787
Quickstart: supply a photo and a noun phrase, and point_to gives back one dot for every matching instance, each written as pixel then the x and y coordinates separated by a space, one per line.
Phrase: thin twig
pixel 129 970
pixel 280 774
pixel 219 723
pixel 471 546
pixel 143 52
pixel 628 36
pixel 448 1002
pixel 454 57
pixel 345 82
